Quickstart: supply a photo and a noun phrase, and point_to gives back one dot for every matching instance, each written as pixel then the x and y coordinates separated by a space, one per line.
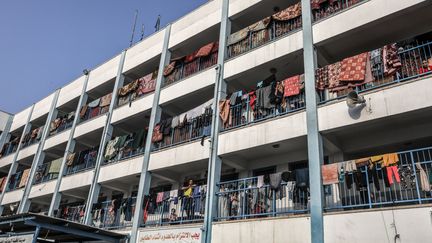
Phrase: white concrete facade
pixel 244 142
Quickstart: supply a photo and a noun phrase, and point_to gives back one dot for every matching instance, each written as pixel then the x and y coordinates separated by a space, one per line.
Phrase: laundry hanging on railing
pixel 137 88
pixel 125 145
pixel 195 122
pixel 62 123
pixel 24 178
pixel 96 107
pixel 184 66
pixel 9 147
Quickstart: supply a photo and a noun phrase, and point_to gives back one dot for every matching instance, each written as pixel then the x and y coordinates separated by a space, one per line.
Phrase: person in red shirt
pixel 425 67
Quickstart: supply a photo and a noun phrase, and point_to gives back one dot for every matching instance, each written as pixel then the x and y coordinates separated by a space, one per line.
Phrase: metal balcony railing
pixel 184 70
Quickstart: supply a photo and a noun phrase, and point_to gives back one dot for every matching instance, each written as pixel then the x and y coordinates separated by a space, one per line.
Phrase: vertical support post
pixel 6 132
pixel 106 136
pixel 144 183
pixel 70 147
pixel 14 164
pixel 215 162
pixel 39 156
pixel 36 234
pixel 315 154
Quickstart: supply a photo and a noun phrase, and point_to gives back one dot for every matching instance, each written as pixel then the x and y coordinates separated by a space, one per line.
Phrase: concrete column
pixel 215 162
pixel 314 140
pixel 5 136
pixel 145 178
pixel 70 147
pixel 39 156
pixel 106 136
pixel 14 164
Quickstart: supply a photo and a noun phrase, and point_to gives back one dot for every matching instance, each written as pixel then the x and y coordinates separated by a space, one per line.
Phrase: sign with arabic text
pixel 186 235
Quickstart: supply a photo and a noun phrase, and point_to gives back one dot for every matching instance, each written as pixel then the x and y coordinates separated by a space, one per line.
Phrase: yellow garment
pixel 188 192
pixel 390 159
pixel 377 158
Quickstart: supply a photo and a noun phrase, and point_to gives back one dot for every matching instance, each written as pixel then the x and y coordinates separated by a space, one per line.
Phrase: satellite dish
pixel 353 99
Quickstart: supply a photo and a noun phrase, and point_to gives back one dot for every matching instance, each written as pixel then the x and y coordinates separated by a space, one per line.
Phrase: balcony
pixel 183 67
pixel 170 208
pixel 9 148
pixel 95 108
pixel 81 161
pixel 48 171
pixel 351 185
pixel 32 137
pixel 405 62
pixel 186 127
pixel 281 24
pixel 125 147
pixel 114 214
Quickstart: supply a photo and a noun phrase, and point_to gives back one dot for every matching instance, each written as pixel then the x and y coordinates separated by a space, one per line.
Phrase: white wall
pixel 76 180
pixel 195 22
pixel 137 106
pixel 70 91
pixel 358 16
pixel 121 169
pixel 177 155
pixel 266 132
pixel 144 50
pixel 103 73
pixel 414 225
pixel 42 189
pixel 57 139
pixel 385 102
pixel 89 126
pixel 13 196
pixel 4 117
pixel 188 85
pixel 27 151
pixel 42 107
pixel 266 53
pixel 20 119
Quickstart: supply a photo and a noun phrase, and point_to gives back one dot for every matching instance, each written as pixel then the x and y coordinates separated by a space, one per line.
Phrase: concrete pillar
pixel 314 140
pixel 70 147
pixel 145 178
pixel 39 156
pixel 215 162
pixel 14 164
pixel 106 136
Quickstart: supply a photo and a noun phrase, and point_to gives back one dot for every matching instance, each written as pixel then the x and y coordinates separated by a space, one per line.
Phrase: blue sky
pixel 45 44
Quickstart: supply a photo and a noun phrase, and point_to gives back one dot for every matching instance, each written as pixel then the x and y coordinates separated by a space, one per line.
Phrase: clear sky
pixel 45 44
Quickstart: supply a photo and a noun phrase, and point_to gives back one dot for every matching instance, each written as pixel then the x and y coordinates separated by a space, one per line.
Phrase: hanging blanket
pixel 353 68
pixel 291 12
pixel 292 86
pixel 147 84
pixel 106 100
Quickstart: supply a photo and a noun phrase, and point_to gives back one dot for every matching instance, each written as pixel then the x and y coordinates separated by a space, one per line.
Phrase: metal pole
pixel 314 144
pixel 39 156
pixel 215 162
pixel 36 234
pixel 14 163
pixel 144 183
pixel 70 147
pixel 106 136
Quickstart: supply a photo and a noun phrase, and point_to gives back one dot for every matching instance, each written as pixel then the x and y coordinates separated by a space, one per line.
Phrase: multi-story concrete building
pixel 230 142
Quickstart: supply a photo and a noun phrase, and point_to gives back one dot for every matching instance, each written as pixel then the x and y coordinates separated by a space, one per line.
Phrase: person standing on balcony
pixel 188 199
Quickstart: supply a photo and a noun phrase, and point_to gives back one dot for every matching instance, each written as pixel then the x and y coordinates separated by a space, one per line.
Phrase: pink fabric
pixel 159 197
pixel 330 174
pixel 392 170
pixel 292 86
pixel 146 84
